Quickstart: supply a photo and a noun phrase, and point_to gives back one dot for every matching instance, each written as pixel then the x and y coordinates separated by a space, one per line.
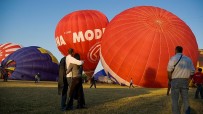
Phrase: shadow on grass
pixel 158 104
pixel 102 95
pixel 46 100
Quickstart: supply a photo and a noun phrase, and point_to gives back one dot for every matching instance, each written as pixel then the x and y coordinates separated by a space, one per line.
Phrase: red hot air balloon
pixel 139 42
pixel 82 30
pixel 6 49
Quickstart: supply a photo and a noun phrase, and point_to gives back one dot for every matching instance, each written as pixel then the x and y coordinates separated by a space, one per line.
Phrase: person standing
pixel 62 83
pixel 179 77
pixel 169 81
pixel 198 81
pixel 70 59
pixel 22 77
pixel 93 82
pixel 76 89
pixel 131 83
pixel 36 78
pixel 5 76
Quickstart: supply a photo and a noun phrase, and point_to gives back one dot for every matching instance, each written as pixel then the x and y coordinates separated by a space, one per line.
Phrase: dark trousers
pixel 5 78
pixel 76 92
pixel 64 93
pixel 199 91
pixel 93 83
pixel 64 97
pixel 71 92
pixel 131 85
pixel 36 80
pixel 80 94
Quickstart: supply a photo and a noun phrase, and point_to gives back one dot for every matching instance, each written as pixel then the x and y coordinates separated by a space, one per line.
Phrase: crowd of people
pixel 180 70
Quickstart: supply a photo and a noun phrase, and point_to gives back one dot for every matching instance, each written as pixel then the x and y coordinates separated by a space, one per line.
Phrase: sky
pixel 33 22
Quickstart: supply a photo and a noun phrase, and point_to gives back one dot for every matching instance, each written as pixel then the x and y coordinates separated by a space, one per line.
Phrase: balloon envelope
pixel 82 30
pixel 28 61
pixel 139 42
pixel 6 49
pixel 99 73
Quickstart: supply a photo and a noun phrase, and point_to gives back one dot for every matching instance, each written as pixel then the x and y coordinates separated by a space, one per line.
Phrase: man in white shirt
pixel 71 59
pixel 179 77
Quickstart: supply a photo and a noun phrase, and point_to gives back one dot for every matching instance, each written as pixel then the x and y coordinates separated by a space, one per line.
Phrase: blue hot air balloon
pixel 26 62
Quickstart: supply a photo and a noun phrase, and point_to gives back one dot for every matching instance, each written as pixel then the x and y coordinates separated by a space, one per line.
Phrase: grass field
pixel 26 97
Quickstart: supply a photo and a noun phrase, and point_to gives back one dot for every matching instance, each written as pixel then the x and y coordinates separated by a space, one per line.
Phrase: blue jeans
pixel 199 90
pixel 180 86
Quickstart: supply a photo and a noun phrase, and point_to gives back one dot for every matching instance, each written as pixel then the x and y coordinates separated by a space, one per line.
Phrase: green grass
pixel 26 97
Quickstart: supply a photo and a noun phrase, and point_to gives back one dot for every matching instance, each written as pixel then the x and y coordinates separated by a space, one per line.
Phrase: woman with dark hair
pixel 76 88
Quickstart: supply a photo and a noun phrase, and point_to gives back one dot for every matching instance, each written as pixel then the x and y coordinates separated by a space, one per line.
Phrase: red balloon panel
pixel 6 49
pixel 139 42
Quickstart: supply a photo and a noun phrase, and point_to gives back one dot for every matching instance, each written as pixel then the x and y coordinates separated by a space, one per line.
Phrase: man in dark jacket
pixel 62 83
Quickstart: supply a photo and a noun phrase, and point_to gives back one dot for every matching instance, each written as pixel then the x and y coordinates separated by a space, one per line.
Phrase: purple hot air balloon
pixel 26 62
